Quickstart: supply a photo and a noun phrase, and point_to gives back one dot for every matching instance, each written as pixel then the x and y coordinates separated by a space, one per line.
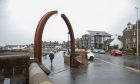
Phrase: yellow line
pixel 130 68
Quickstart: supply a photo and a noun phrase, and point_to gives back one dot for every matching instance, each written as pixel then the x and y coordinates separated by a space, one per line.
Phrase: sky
pixel 19 18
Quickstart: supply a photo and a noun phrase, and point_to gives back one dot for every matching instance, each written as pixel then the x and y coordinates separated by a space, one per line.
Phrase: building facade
pixel 49 45
pixel 98 38
pixel 15 47
pixel 130 35
pixel 95 39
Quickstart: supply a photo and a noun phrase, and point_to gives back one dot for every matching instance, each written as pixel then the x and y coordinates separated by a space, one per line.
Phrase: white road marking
pixel 130 68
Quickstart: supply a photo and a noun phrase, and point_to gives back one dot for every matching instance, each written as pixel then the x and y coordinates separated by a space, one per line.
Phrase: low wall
pixel 37 76
pixel 81 57
pixel 67 59
pixel 12 65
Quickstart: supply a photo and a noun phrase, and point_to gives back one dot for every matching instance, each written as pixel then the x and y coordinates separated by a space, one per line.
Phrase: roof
pixel 116 41
pixel 99 33
pixel 108 41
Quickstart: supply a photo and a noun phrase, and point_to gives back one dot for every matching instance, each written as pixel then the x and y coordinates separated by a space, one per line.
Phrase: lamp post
pixel 137 40
pixel 68 43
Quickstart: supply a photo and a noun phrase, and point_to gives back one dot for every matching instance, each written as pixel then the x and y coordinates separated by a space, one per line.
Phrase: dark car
pixel 116 52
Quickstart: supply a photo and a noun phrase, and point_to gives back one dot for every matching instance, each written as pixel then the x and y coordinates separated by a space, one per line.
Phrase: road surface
pixel 100 71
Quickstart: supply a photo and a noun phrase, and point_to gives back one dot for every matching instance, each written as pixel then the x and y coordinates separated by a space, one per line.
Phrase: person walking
pixel 51 55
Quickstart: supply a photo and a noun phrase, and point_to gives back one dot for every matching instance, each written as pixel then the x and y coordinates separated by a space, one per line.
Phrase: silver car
pixel 101 51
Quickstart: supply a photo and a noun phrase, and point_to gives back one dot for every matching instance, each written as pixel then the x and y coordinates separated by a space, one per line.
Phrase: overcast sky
pixel 19 18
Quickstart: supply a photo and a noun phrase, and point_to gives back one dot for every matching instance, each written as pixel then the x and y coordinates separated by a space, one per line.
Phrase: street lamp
pixel 68 43
pixel 137 39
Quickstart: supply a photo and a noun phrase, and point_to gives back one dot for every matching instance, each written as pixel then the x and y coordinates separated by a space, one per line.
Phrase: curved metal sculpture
pixel 38 38
pixel 38 35
pixel 73 61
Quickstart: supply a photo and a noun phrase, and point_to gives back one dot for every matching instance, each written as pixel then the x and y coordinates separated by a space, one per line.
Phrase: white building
pixel 98 38
pixel 95 39
pixel 16 47
pixel 116 41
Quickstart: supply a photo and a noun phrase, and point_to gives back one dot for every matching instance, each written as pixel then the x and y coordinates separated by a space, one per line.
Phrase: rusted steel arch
pixel 73 61
pixel 38 35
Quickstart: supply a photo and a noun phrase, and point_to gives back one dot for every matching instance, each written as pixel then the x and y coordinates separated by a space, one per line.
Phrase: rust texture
pixel 38 35
pixel 73 61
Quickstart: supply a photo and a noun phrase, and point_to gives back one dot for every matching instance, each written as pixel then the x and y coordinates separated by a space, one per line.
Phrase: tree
pixel 115 47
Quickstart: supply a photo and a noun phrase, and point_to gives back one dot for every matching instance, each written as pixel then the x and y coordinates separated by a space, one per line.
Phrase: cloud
pixel 20 18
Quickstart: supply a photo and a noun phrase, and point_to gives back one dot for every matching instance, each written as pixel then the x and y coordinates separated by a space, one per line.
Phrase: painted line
pixel 109 62
pixel 127 67
pixel 133 69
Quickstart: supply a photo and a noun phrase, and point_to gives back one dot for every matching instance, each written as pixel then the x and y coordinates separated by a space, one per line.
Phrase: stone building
pixel 49 45
pixel 130 36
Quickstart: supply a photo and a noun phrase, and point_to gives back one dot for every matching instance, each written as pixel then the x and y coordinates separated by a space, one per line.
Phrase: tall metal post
pixel 137 40
pixel 68 44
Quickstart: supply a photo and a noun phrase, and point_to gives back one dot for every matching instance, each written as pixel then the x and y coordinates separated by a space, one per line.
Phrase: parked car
pixel 90 55
pixel 101 51
pixel 95 50
pixel 116 52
